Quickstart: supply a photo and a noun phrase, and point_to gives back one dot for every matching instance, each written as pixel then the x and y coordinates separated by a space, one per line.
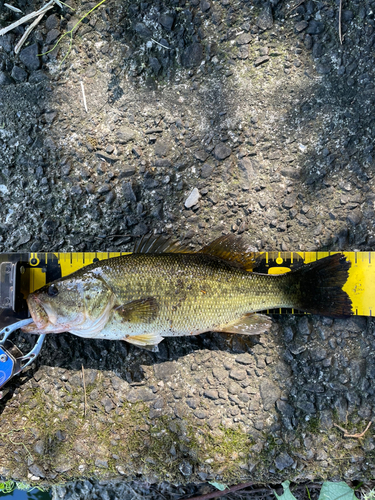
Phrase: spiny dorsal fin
pixel 160 244
pixel 232 249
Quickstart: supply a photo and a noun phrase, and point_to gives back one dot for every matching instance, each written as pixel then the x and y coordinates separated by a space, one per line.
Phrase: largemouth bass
pixel 163 290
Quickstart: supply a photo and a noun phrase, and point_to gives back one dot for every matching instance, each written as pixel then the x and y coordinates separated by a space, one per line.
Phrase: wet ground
pixel 257 114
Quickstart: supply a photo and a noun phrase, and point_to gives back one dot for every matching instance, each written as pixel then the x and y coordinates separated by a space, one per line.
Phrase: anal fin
pixel 252 324
pixel 144 340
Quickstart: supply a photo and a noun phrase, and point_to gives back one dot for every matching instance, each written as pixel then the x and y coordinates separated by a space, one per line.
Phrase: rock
pixel 206 170
pixel 201 155
pixel 261 60
pixel 265 19
pixel 245 359
pixel 205 5
pixel 211 394
pixel 140 229
pixel 167 20
pixel 140 394
pixel 303 326
pixel 162 147
pixel 127 191
pixel 192 199
pixel 127 171
pixel 19 74
pixel 6 41
pixel 315 27
pixel 301 25
pixel 243 52
pixel 154 64
pixel 237 374
pixel 5 78
pixel 201 414
pixel 52 35
pixel 106 156
pixel 283 461
pixel 287 413
pixel 52 22
pixel 355 216
pixel 246 168
pixel 290 200
pixel 192 55
pixel 108 404
pixel 222 151
pixel 323 69
pixel 125 134
pixel 269 393
pixel 29 57
pixel 39 447
pixel 38 77
pixel 103 464
pixel 143 31
pixel 163 163
pixel 37 471
pixel 243 39
pixel 185 468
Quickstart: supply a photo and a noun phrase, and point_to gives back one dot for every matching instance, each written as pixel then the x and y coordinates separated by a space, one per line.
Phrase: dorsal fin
pixel 232 249
pixel 160 244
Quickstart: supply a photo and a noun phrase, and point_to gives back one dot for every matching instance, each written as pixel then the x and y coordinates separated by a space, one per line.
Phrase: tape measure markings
pixel 360 285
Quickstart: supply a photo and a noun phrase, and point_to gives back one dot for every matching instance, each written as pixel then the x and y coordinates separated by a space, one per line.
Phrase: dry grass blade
pixel 26 18
pixel 27 32
pixel 340 12
pixel 84 390
pixel 294 8
pixel 357 435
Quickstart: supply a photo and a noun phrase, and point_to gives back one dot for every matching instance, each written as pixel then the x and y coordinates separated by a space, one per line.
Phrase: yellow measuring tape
pixel 44 267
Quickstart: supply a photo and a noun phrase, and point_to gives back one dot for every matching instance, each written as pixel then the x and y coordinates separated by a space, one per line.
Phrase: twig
pixel 217 494
pixel 358 435
pixel 298 4
pixel 84 390
pixel 340 10
pixel 26 18
pixel 27 32
pixel 84 96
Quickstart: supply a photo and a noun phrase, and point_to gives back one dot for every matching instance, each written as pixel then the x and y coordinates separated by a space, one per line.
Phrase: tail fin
pixel 321 285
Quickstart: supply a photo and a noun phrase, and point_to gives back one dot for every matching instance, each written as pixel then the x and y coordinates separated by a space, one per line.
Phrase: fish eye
pixel 52 290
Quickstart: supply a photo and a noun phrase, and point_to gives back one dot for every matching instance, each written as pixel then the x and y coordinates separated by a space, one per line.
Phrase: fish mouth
pixel 38 314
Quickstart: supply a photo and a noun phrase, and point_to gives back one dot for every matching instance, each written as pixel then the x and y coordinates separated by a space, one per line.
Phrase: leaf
pixel 219 486
pixel 336 491
pixel 287 495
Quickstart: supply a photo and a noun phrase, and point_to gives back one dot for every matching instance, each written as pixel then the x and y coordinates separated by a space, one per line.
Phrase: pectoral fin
pixel 252 324
pixel 145 340
pixel 138 311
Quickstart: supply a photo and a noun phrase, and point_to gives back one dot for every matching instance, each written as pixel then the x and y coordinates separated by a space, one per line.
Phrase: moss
pixel 313 425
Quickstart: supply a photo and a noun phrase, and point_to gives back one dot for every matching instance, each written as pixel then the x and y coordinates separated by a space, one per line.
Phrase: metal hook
pixel 11 328
pixel 12 361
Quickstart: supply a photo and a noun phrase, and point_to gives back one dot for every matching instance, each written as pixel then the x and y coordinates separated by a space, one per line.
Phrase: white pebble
pixel 193 198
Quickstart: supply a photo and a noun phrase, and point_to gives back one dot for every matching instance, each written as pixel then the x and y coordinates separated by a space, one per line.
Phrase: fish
pixel 165 289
